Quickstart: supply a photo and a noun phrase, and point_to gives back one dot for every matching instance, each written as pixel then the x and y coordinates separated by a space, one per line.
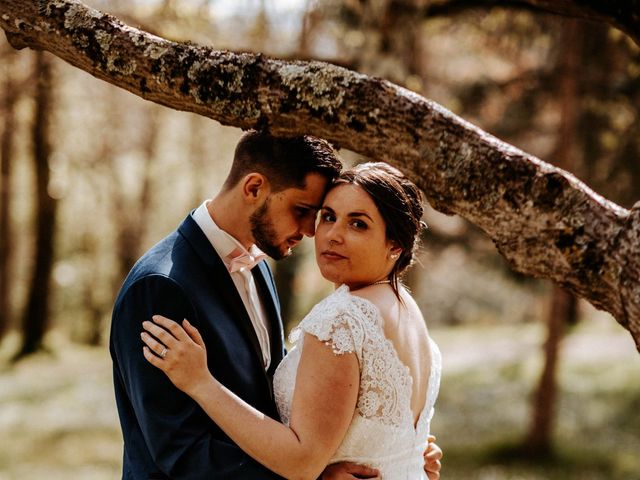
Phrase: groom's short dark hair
pixel 285 161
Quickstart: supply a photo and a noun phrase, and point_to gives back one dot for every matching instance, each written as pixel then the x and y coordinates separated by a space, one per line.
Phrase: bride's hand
pixel 178 351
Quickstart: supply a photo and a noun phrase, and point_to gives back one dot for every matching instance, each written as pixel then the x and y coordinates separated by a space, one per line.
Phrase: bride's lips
pixel 331 255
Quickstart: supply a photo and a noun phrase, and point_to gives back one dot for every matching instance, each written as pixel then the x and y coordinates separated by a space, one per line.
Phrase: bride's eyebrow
pixel 355 214
pixel 360 214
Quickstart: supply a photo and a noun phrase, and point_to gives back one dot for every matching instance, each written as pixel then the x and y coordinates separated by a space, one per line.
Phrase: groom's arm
pixel 182 441
pixel 347 471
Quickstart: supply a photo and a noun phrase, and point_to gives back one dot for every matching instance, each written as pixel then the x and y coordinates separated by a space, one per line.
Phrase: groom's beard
pixel 264 233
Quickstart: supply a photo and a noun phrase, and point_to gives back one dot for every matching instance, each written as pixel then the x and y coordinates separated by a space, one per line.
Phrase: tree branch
pixel 544 221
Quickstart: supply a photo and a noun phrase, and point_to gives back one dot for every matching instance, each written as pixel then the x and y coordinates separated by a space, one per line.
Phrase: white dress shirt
pixel 224 244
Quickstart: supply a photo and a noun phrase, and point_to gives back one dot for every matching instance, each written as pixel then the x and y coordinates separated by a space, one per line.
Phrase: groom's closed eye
pixel 303 212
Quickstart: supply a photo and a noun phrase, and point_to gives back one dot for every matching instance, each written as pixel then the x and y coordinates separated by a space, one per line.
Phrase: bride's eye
pixel 359 224
pixel 327 217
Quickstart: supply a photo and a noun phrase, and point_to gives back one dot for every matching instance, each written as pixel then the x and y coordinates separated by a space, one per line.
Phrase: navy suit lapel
pixel 223 282
pixel 267 290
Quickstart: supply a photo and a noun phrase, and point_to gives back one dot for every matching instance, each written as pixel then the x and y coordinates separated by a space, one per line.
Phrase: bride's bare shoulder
pixel 380 295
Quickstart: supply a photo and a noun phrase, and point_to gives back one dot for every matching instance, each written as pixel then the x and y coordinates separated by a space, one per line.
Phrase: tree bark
pixel 544 221
pixel 36 315
pixel 6 158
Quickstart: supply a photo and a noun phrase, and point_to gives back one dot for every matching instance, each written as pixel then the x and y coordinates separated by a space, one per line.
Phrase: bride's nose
pixel 334 235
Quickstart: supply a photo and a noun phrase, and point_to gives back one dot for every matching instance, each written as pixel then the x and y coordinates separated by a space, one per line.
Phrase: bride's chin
pixel 331 279
pixel 331 276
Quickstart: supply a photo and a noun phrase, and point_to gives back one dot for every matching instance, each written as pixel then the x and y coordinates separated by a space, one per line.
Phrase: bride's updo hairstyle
pixel 399 202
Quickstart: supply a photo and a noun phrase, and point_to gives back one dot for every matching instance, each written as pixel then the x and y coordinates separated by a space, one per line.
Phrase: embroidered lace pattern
pixel 382 432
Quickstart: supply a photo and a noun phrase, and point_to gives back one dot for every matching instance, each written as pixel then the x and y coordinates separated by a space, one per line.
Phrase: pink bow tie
pixel 240 260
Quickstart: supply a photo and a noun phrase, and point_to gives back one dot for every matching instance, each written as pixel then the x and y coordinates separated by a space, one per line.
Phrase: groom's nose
pixel 308 226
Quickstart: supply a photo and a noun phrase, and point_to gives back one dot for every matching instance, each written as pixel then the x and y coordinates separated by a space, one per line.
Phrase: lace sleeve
pixel 337 322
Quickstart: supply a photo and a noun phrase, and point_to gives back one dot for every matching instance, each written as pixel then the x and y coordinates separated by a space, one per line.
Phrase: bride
pixel 360 383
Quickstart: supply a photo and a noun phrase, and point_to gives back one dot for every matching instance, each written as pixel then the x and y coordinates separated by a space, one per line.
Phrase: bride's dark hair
pixel 399 202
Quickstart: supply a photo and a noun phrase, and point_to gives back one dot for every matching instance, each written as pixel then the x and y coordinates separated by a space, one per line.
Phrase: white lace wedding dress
pixel 382 433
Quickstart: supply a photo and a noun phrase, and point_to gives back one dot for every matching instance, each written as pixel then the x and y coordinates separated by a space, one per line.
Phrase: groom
pixel 203 272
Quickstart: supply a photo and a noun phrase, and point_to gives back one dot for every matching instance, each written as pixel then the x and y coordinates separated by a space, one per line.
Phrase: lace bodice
pixel 382 432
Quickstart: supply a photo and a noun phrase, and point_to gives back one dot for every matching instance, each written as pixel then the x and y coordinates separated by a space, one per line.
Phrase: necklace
pixel 379 282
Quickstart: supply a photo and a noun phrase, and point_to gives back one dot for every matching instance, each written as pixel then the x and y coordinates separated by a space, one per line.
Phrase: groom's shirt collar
pixel 226 246
pixel 224 243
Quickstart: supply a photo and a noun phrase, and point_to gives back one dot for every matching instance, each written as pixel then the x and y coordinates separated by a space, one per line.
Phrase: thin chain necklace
pixel 379 282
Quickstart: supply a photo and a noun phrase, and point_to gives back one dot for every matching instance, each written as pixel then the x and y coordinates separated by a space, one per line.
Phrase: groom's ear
pixel 255 187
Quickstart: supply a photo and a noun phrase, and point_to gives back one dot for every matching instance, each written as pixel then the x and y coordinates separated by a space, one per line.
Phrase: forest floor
pixel 58 418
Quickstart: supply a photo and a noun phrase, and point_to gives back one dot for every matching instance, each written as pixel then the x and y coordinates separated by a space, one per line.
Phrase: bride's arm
pixel 324 400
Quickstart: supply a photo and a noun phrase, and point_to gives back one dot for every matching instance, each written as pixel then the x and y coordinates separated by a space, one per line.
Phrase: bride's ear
pixel 394 252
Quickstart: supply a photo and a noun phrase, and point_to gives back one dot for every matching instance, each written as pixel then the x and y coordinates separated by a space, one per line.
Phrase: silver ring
pixel 163 353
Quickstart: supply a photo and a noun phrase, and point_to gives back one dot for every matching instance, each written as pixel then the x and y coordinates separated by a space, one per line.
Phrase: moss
pixel 78 16
pixel 173 64
pixel 152 51
pixel 227 79
pixel 317 86
pixel 223 74
pixel 116 64
pixel 104 40
pixel 84 39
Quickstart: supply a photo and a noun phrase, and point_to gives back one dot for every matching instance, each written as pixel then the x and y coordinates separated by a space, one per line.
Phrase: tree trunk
pixel 563 311
pixel 198 159
pixel 36 317
pixel 6 157
pixel 96 303
pixel 89 332
pixel 544 221
pixel 133 211
pixel 285 277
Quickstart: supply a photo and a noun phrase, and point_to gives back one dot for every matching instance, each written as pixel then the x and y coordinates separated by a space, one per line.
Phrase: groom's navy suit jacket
pixel 166 434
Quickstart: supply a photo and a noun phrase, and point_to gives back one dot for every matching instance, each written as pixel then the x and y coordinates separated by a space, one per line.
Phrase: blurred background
pixel 536 384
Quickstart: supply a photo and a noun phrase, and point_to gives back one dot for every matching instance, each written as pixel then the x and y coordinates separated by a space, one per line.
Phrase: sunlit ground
pixel 484 412
pixel 58 417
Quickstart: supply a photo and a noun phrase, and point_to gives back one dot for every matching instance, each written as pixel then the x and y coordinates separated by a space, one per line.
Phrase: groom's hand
pixel 432 456
pixel 348 471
